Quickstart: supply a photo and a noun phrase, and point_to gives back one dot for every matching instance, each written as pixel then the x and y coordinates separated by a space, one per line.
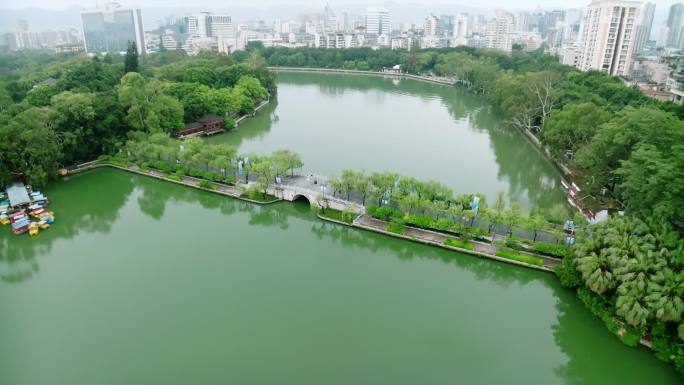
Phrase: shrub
pixel 443 225
pixel 396 226
pixel 520 258
pixel 230 179
pixel 175 177
pixel 567 274
pixel 596 304
pixel 206 185
pixel 164 166
pixel 559 251
pixel 338 215
pixel 458 243
pixel 382 212
pixel 477 232
pixel 228 123
pixel 514 244
pixel 458 228
pixel 420 221
pixel 631 336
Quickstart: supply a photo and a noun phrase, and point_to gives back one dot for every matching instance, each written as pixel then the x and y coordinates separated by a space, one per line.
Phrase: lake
pixel 424 130
pixel 146 282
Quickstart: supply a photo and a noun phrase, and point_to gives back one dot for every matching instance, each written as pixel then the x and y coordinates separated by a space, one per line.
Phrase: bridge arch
pixel 304 198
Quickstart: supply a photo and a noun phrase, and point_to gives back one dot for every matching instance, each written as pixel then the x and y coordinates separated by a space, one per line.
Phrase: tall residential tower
pixel 608 36
pixel 377 21
pixel 109 29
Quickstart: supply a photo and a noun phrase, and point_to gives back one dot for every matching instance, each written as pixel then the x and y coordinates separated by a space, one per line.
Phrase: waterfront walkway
pixel 430 79
pixel 314 189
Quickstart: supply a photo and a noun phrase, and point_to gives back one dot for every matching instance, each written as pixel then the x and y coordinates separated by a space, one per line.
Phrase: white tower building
pixel 608 36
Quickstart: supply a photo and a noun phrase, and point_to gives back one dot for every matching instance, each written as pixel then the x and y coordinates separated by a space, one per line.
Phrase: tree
pixel 653 182
pixel 29 147
pixel 535 222
pixel 543 87
pixel 287 160
pixel 251 88
pixel 169 111
pixel 348 181
pixel 223 156
pixel 573 127
pixel 362 185
pixel 615 140
pixel 148 109
pixel 383 184
pixel 133 94
pixel 40 95
pixel 73 116
pixel 266 172
pixel 131 59
pixel 499 210
pixel 513 217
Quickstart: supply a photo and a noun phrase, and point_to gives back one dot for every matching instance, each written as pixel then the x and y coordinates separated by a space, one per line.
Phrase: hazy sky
pixel 484 4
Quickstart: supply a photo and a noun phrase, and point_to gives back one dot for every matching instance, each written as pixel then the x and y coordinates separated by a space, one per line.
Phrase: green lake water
pixel 146 282
pixel 425 130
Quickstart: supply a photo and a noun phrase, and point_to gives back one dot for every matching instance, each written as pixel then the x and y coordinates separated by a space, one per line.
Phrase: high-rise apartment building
pixel 675 25
pixel 377 21
pixel 646 24
pixel 461 26
pixel 608 36
pixel 218 25
pixel 111 28
pixel 499 31
pixel 431 26
pixel 446 25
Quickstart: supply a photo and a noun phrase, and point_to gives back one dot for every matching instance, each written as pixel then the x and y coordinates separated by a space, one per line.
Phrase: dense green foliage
pixel 433 206
pixel 57 110
pixel 557 251
pixel 635 272
pixel 215 162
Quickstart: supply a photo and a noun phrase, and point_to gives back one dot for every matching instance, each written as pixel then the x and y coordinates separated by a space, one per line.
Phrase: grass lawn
pixel 260 197
pixel 337 215
pixel 520 258
pixel 458 243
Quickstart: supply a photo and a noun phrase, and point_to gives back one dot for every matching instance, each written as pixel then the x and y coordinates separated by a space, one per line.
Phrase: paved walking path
pixel 434 238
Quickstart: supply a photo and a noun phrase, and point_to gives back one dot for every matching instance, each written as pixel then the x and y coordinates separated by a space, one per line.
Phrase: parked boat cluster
pixel 25 210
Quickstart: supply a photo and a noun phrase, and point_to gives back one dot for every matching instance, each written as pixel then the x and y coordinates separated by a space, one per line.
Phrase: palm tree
pixel 633 308
pixel 596 271
pixel 665 295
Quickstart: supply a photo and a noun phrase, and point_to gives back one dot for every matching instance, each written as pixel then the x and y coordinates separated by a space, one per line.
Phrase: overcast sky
pixel 518 4
pixel 57 14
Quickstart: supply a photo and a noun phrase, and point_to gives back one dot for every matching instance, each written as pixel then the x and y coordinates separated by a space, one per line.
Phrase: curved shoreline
pixel 426 79
pixel 563 172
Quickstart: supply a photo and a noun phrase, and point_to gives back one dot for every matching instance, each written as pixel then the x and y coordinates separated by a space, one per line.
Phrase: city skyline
pixel 521 4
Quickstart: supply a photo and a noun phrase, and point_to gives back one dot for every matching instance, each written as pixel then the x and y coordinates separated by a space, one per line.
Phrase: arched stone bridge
pixel 315 191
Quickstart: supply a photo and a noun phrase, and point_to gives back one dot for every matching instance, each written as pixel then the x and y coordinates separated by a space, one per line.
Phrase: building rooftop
pixel 18 195
pixel 210 118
